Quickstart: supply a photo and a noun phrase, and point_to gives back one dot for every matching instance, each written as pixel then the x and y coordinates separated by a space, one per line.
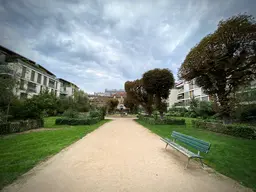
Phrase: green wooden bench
pixel 199 145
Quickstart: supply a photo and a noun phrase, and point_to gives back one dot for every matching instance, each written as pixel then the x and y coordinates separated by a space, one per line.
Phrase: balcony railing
pixel 31 89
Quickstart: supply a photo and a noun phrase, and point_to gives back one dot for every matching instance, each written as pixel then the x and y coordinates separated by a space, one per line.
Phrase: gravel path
pixel 120 156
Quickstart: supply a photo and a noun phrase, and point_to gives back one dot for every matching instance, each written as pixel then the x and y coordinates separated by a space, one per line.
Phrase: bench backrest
pixel 192 142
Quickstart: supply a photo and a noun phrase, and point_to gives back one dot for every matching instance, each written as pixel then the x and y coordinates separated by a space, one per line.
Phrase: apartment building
pixel 182 93
pixel 67 89
pixel 34 78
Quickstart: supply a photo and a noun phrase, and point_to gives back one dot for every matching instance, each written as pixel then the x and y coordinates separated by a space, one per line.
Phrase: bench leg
pixel 166 145
pixel 202 162
pixel 187 163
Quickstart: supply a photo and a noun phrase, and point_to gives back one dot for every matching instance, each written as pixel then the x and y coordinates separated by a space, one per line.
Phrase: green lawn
pixel 231 156
pixel 21 152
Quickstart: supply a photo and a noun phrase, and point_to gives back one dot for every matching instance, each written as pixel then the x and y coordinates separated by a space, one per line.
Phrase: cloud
pixel 100 44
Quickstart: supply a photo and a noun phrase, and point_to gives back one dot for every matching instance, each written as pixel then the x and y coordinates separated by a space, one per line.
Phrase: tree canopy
pixel 138 95
pixel 158 83
pixel 224 61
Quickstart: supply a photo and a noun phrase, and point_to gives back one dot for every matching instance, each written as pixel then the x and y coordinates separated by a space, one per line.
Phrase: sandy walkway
pixel 120 156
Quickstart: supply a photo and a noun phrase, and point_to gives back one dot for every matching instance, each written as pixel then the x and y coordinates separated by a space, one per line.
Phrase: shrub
pixel 164 121
pixel 243 131
pixel 74 121
pixel 20 126
pixel 70 113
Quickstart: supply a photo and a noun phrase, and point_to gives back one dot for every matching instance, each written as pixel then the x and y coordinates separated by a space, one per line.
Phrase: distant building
pixel 98 100
pixel 111 92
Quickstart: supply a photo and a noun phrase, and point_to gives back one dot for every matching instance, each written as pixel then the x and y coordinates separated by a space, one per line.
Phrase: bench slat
pixel 191 141
pixel 180 148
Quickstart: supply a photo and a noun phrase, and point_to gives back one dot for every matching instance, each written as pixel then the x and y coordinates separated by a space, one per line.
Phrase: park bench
pixel 199 145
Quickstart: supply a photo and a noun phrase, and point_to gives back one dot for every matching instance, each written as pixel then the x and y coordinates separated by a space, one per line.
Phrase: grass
pixel 21 152
pixel 231 156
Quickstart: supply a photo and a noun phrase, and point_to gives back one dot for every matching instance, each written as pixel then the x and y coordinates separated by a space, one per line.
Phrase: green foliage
pixel 157 83
pixel 112 104
pixel 20 126
pixel 159 121
pixel 137 94
pixel 70 113
pixel 129 103
pixel 234 130
pixel 223 61
pixel 81 101
pixel 177 112
pixel 74 121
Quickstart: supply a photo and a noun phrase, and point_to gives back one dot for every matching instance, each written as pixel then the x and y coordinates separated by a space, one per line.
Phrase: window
pixel 51 83
pixel 45 80
pixel 191 94
pixel 22 82
pixel 23 95
pixel 41 88
pixel 205 98
pixel 23 73
pixel 32 77
pixel 39 78
pixel 56 85
pixel 31 87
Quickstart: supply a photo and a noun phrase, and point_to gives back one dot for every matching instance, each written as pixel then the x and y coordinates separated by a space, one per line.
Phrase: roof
pixel 60 79
pixel 9 52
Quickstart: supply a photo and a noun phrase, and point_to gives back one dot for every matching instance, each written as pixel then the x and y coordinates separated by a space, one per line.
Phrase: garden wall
pixel 20 126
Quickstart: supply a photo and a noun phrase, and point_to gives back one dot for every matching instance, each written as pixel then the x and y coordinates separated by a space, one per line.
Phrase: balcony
pixel 31 89
pixel 180 91
pixel 63 91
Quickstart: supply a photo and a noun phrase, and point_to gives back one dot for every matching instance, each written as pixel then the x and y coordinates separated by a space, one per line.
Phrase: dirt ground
pixel 121 156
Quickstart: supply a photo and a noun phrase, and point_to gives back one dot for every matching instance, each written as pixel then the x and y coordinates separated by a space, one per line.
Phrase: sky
pixel 100 44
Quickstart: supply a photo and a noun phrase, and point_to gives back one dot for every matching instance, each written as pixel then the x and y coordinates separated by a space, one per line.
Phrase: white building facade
pixel 183 92
pixel 67 89
pixel 33 78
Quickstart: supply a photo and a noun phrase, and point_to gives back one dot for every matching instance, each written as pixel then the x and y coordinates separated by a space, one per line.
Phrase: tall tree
pixel 8 82
pixel 112 104
pixel 224 61
pixel 138 95
pixel 158 83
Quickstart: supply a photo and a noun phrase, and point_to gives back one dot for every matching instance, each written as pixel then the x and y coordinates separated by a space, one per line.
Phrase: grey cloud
pixel 102 43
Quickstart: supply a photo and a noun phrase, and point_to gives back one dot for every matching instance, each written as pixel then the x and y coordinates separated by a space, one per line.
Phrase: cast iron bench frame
pixel 199 145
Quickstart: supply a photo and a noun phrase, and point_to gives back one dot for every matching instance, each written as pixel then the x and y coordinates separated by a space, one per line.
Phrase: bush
pixel 74 121
pixel 164 121
pixel 20 126
pixel 243 131
pixel 70 113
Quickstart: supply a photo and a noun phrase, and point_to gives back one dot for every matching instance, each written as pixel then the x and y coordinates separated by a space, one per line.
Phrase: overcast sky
pixel 100 44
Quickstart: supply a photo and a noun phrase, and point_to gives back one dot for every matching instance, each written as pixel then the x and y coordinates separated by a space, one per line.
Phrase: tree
pixel 81 101
pixel 138 95
pixel 158 83
pixel 128 102
pixel 224 61
pixel 8 82
pixel 112 104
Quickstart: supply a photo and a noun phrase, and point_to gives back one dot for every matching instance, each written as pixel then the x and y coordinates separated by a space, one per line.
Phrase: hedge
pixel 76 121
pixel 20 126
pixel 243 131
pixel 164 121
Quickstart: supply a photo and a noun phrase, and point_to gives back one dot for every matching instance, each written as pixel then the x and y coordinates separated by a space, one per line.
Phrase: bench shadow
pixel 181 159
